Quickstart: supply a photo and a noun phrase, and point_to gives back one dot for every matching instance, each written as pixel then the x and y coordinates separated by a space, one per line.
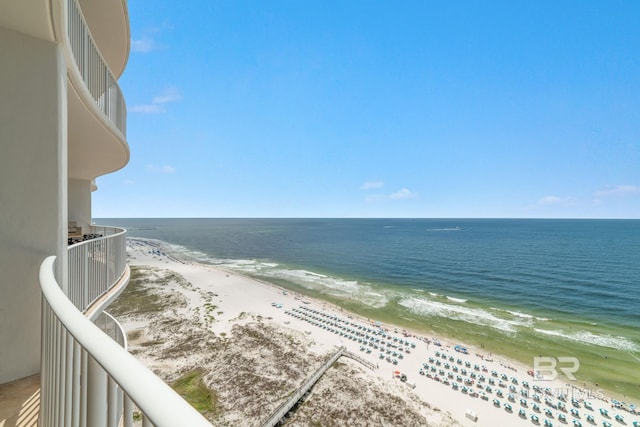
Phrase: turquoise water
pixel 559 287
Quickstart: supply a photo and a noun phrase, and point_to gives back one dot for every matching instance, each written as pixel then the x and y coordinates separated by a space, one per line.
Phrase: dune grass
pixel 192 388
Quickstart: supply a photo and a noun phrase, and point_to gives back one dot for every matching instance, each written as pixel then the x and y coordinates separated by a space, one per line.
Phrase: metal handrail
pixel 110 326
pixel 94 70
pixel 88 379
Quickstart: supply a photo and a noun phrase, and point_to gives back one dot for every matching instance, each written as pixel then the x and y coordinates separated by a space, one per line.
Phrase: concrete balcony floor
pixel 20 402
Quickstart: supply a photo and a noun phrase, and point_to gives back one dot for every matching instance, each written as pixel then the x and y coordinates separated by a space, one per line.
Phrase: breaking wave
pixel 586 337
pixel 424 307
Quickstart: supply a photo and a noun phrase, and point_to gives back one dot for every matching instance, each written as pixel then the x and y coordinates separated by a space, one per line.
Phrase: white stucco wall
pixel 80 203
pixel 33 191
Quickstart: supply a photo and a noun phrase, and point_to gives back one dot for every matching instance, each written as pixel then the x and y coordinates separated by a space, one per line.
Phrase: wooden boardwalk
pixel 286 406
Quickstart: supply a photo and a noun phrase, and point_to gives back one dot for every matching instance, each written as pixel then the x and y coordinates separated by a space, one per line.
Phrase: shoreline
pixel 425 351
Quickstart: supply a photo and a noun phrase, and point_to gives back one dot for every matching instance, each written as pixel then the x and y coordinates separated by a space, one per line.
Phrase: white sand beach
pixel 221 306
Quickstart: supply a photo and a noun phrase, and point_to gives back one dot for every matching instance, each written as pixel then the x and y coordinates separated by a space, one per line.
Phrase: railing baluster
pixel 59 372
pixel 112 403
pixel 96 394
pixel 68 379
pixel 76 384
pixel 84 386
pixel 127 411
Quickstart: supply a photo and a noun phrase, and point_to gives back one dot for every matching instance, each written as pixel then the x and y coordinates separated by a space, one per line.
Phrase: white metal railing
pixel 87 379
pixel 110 326
pixel 93 68
pixel 95 265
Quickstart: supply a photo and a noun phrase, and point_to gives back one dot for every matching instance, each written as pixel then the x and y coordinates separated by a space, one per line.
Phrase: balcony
pixel 93 69
pixel 97 109
pixel 87 377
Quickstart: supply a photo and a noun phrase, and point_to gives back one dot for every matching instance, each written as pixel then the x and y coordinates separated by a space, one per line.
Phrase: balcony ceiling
pixel 108 21
pixel 30 17
pixel 94 148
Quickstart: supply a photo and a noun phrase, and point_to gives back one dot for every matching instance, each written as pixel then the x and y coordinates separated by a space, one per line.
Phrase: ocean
pixel 517 287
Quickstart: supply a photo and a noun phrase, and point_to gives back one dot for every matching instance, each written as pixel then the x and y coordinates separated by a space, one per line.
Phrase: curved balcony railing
pixel 94 70
pixel 110 326
pixel 95 265
pixel 87 377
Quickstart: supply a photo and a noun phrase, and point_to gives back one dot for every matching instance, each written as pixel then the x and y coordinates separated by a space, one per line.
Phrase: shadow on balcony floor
pixel 20 402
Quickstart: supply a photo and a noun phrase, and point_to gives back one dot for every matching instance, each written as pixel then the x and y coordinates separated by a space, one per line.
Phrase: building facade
pixel 62 125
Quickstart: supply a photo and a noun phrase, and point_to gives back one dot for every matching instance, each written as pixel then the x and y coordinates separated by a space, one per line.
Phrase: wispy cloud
pixel 158 102
pixel 146 108
pixel 552 200
pixel 147 42
pixel 371 185
pixel 618 191
pixel 403 194
pixel 161 169
pixel 144 45
pixel 557 201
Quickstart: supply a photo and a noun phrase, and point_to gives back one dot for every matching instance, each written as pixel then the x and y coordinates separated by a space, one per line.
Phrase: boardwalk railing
pixel 286 406
pixel 362 360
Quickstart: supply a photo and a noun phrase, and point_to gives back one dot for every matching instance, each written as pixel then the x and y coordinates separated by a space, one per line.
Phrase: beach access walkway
pixel 286 406
pixel 359 359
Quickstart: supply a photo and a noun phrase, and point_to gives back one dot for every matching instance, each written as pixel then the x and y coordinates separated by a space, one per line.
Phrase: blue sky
pixel 380 109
